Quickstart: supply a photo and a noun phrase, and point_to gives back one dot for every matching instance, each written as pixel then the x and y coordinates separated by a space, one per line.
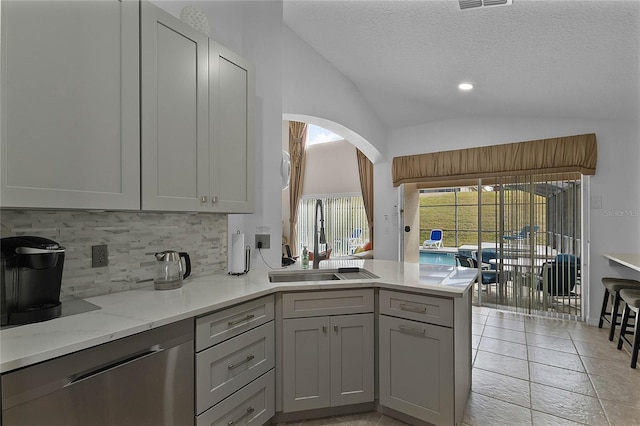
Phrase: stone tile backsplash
pixel 131 237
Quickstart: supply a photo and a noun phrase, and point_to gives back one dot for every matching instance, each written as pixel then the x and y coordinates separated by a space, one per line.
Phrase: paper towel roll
pixel 237 253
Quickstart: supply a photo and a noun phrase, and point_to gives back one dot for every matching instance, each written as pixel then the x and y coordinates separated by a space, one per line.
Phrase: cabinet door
pixel 352 359
pixel 175 133
pixel 305 376
pixel 231 83
pixel 70 105
pixel 416 369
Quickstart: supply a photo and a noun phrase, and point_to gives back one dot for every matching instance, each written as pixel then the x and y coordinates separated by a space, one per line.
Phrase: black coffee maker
pixel 31 274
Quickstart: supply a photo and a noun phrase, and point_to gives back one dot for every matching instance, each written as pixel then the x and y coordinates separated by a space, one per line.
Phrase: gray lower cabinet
pixel 424 368
pixel 234 365
pixel 328 361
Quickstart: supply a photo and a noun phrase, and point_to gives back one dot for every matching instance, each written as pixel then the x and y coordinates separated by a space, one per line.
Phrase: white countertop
pixel 631 260
pixel 129 312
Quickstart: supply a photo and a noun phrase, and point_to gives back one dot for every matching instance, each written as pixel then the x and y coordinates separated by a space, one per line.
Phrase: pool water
pixel 437 258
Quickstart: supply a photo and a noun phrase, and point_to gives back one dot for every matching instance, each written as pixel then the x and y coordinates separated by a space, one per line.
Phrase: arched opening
pixel 333 173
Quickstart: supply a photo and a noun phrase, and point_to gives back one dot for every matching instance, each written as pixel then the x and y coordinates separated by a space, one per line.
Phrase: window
pixel 345 223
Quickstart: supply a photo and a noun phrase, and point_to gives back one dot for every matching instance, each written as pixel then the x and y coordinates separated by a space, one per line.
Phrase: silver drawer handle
pixel 247 318
pixel 244 361
pixel 411 330
pixel 420 310
pixel 249 411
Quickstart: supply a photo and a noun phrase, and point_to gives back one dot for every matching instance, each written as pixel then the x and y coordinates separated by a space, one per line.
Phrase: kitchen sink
pixel 321 275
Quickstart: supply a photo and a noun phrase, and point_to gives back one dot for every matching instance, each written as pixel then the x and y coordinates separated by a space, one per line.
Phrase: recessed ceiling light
pixel 465 86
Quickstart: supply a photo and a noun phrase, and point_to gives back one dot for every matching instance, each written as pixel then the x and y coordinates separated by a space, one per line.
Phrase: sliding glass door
pixel 526 240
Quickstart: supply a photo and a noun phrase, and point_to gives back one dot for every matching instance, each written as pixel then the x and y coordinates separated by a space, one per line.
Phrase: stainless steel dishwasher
pixel 145 379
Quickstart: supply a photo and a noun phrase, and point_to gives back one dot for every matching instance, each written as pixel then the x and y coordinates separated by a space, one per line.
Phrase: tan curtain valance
pixel 568 154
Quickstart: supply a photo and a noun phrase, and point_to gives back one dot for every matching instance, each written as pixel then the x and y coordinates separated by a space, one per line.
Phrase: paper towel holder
pixel 247 261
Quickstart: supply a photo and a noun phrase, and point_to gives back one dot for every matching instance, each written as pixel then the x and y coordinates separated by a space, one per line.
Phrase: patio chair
pixel 524 233
pixel 488 277
pixel 435 239
pixel 559 276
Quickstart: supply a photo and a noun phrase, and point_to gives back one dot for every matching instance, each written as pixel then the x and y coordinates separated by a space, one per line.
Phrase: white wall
pixel 331 168
pixel 314 88
pixel 614 228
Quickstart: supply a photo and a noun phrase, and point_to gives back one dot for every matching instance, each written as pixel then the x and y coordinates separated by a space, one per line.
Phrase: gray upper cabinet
pixel 197 120
pixel 70 105
pixel 231 86
pixel 175 130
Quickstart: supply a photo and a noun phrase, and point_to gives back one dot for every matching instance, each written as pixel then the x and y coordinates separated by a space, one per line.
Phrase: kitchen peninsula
pixel 403 293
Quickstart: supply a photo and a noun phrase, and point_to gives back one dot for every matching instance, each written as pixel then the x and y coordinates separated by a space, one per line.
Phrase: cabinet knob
pixel 203 199
pixel 335 328
pixel 214 199
pixel 324 328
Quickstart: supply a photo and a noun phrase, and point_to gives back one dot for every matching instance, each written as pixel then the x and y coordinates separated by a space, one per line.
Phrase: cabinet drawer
pixel 321 303
pixel 225 368
pixel 252 405
pixel 417 307
pixel 222 325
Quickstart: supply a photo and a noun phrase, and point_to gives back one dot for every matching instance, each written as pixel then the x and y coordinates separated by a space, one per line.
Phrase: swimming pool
pixel 437 258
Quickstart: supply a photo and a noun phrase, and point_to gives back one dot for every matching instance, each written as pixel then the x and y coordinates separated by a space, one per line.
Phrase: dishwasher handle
pixel 88 374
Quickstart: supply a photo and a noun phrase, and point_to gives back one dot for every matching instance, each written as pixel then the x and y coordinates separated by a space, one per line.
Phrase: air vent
pixel 468 4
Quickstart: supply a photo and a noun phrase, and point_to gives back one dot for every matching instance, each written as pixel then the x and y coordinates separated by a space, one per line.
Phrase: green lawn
pixel 438 210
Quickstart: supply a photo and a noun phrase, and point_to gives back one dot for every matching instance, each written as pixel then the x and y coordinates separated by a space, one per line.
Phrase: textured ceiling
pixel 536 58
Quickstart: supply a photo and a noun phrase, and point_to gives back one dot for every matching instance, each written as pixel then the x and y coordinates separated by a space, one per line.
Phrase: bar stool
pixel 612 287
pixel 632 300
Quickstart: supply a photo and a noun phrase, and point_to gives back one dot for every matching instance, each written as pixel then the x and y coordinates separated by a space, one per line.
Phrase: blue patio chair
pixel 487 277
pixel 523 234
pixel 435 239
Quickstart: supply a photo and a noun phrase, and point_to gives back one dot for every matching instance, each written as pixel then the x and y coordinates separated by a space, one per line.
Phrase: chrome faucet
pixel 320 233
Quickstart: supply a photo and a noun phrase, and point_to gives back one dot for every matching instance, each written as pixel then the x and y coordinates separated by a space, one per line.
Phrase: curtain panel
pixel 365 170
pixel 568 154
pixel 297 152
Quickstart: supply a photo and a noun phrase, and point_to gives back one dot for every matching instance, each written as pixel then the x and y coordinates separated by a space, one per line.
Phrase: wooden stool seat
pixel 612 288
pixel 631 297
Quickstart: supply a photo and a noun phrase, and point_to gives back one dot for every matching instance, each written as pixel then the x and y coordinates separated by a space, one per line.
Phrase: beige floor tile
pixel 504 334
pixel 576 407
pixel 509 366
pixel 544 419
pixel 499 386
pixel 621 414
pixel 509 324
pixel 324 421
pixel 573 381
pixel 483 410
pixel 546 329
pixel 603 367
pixel 503 347
pixel 550 342
pixel 388 421
pixel 555 358
pixel 481 310
pixel 477 329
pixel 589 333
pixel 605 350
pixel 508 315
pixel 619 388
pixel 475 341
pixel 364 419
pixel 478 318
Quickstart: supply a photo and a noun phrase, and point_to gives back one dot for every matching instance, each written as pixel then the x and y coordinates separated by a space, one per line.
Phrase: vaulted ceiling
pixel 533 59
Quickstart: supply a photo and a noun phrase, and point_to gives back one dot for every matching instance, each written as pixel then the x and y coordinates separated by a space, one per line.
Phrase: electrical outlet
pixel 99 256
pixel 264 240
